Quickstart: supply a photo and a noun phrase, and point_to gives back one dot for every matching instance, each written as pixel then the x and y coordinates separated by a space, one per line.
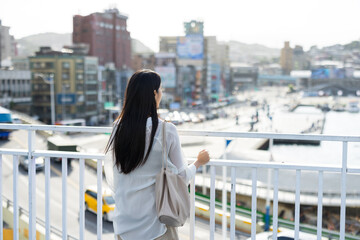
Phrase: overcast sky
pixel 267 22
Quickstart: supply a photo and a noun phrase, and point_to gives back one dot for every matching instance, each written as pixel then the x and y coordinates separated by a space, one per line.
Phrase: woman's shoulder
pixel 170 127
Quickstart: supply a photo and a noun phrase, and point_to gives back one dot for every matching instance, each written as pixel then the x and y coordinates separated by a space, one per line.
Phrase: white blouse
pixel 134 193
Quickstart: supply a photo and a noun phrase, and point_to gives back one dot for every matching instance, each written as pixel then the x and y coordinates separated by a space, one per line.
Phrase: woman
pixel 136 143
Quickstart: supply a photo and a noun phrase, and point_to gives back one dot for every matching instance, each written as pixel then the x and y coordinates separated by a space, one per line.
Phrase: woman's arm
pixel 177 157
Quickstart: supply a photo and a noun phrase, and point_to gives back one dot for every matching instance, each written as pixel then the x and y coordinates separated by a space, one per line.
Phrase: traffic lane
pixel 16 142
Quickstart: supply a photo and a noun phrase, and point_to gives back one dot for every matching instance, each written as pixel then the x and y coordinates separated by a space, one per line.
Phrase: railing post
pixel 15 197
pixel 81 198
pixel 32 185
pixel 297 204
pixel 253 203
pixel 343 191
pixel 233 203
pixel 267 214
pixel 319 210
pixel 99 199
pixel 47 198
pixel 192 209
pixel 64 197
pixel 275 203
pixel 212 202
pixel 224 197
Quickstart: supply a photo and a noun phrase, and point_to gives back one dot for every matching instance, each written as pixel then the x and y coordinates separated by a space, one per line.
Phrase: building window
pixel 79 65
pixel 79 87
pixel 65 76
pixel 65 65
pixel 49 65
pixel 79 76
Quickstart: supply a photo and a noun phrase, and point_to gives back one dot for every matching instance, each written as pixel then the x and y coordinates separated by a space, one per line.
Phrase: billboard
pixel 168 76
pixel 66 99
pixel 190 47
pixel 322 73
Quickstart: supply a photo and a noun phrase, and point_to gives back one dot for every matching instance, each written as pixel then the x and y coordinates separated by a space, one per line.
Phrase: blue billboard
pixel 190 47
pixel 322 73
pixel 66 99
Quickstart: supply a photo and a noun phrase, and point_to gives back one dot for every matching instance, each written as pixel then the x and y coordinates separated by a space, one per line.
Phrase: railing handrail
pixel 226 134
pixel 343 169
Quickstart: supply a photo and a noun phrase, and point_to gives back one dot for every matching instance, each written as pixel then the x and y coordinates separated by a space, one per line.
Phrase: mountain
pixel 242 52
pixel 27 46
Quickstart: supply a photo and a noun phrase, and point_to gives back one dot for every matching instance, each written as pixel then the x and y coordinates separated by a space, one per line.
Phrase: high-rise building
pixel 107 35
pixel 8 46
pixel 75 85
pixel 286 58
pixel 15 90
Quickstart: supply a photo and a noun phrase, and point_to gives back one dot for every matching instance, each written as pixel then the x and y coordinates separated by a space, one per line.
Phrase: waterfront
pixel 337 123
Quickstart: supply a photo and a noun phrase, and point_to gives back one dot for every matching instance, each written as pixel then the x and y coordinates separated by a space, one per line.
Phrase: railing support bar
pixel 15 197
pixel 64 197
pixel 319 212
pixel 275 203
pixel 212 202
pixel 192 209
pixel 99 199
pixel 81 198
pixel 297 204
pixel 32 185
pixel 343 190
pixel 233 203
pixel 47 198
pixel 253 204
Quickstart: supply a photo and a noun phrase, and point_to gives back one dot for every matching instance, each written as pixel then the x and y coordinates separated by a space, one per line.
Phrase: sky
pixel 267 22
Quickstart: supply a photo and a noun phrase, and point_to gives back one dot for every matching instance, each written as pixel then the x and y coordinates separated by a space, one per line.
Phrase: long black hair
pixel 128 140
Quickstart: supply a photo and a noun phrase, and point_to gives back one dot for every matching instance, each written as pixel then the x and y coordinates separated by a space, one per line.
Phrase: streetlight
pixel 49 79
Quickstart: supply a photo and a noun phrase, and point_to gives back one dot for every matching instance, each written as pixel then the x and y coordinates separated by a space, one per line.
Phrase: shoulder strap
pixel 164 151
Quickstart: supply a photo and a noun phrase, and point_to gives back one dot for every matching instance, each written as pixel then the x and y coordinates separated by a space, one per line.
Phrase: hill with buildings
pixel 242 52
pixel 28 45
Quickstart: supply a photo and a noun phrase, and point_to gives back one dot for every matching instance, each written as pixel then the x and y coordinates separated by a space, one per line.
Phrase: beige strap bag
pixel 172 195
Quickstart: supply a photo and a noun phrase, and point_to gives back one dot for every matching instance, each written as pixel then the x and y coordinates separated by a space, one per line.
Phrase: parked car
pixel 185 117
pixel 194 118
pixel 108 205
pixel 39 163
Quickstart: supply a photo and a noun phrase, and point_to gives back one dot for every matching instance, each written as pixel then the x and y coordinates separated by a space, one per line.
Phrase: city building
pixel 286 58
pixel 15 90
pixel 8 48
pixel 165 65
pixel 196 56
pixel 243 76
pixel 107 35
pixel 300 60
pixel 20 63
pixel 143 60
pixel 168 44
pixel 75 85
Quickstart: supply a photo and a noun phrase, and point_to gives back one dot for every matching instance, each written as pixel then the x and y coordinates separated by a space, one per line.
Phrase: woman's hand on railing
pixel 202 159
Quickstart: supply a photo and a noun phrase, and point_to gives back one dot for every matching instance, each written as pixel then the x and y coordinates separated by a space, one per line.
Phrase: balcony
pixel 213 209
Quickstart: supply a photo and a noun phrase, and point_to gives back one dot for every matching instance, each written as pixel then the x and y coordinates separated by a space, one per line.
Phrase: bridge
pixel 229 212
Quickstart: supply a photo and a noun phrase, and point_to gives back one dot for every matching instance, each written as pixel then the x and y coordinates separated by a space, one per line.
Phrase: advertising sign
pixel 321 73
pixel 168 76
pixel 190 47
pixel 66 99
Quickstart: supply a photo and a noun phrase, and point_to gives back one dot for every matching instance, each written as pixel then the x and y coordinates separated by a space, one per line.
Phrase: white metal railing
pixel 32 153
